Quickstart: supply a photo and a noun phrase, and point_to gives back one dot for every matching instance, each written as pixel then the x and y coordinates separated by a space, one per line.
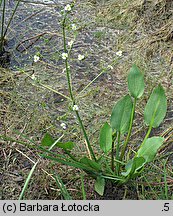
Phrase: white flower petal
pixel 119 53
pixel 36 58
pixel 67 7
pixel 110 67
pixel 73 26
pixel 64 56
pixel 70 43
pixel 81 57
pixel 75 108
pixel 63 125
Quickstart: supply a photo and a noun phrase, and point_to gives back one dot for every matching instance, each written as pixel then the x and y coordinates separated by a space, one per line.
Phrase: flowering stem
pixel 71 91
pixel 85 135
pixel 66 62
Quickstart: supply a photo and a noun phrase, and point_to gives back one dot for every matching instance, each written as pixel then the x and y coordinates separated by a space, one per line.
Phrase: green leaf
pixel 62 187
pixel 121 113
pixel 106 138
pixel 135 82
pixel 66 146
pixel 133 166
pixel 99 185
pixel 69 163
pixel 90 163
pixel 156 107
pixel 47 140
pixel 149 149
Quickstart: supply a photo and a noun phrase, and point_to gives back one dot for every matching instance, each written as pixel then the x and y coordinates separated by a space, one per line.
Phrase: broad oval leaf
pixel 121 113
pixel 106 138
pixel 47 140
pixel 156 107
pixel 133 166
pixel 149 149
pixel 135 82
pixel 99 185
pixel 66 146
pixel 90 163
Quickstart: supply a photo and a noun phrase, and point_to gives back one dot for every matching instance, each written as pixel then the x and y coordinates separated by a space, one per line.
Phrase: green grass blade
pixel 83 188
pixel 165 180
pixel 11 18
pixel 62 187
pixel 27 181
pixel 71 163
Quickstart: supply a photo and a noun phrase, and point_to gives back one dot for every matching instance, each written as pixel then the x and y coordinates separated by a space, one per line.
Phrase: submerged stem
pixel 11 18
pixel 2 26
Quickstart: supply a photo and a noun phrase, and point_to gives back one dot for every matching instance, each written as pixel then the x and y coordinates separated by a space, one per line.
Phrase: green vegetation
pixel 4 29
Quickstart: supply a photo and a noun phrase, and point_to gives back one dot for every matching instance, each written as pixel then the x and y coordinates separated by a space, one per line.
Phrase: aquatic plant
pixel 112 164
pixel 4 28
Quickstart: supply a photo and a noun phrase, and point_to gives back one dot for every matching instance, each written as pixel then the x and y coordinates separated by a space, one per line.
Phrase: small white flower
pixel 81 57
pixel 63 125
pixel 33 77
pixel 36 58
pixel 75 108
pixel 110 67
pixel 67 7
pixel 70 43
pixel 119 53
pixel 73 27
pixel 64 55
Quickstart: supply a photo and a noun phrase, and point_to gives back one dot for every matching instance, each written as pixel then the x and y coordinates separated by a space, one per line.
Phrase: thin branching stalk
pixel 66 61
pixel 71 91
pixel 129 131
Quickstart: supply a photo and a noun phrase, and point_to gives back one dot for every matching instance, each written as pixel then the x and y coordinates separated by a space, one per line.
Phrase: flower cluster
pixel 81 57
pixel 67 8
pixel 73 27
pixel 75 108
pixel 70 43
pixel 64 56
pixel 119 53
pixel 36 58
pixel 63 125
